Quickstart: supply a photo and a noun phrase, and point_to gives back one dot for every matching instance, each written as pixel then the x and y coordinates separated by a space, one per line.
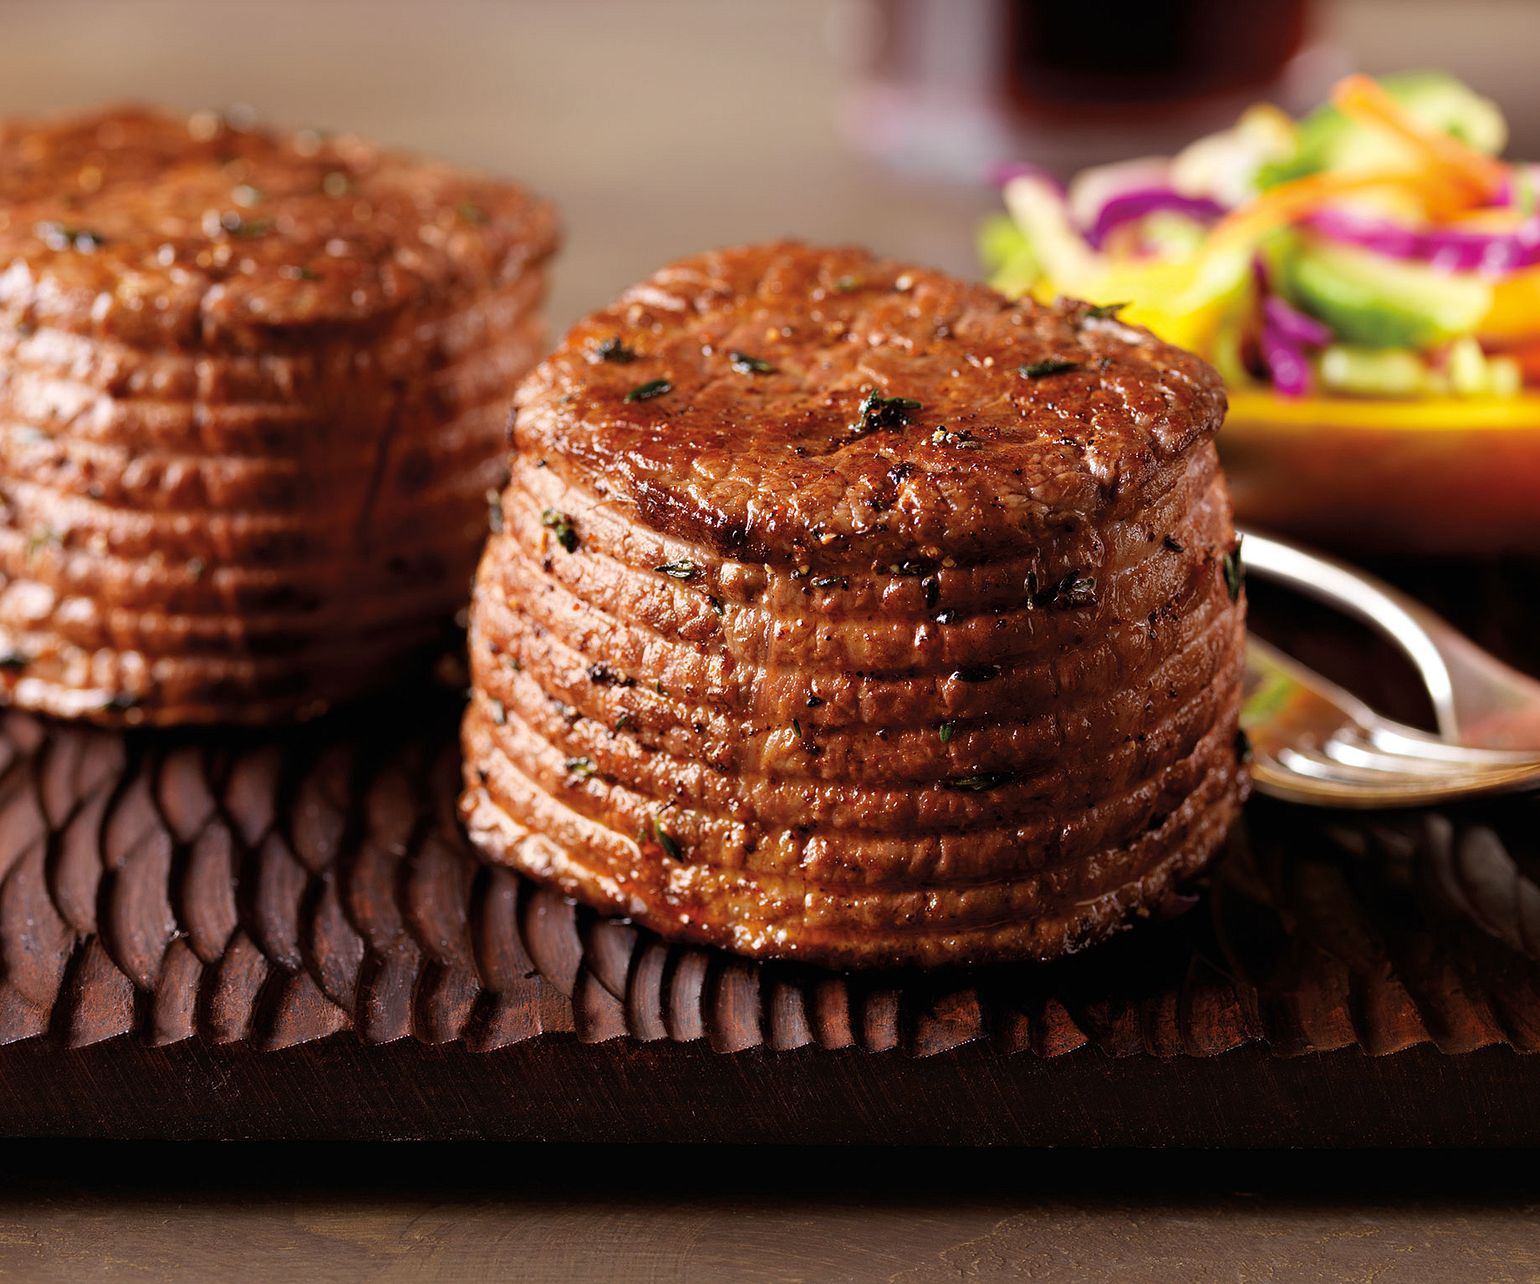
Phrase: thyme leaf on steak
pixel 743 363
pixel 665 840
pixel 1042 369
pixel 612 349
pixel 1075 590
pixel 1235 572
pixel 977 673
pixel 647 391
pixel 811 748
pixel 680 570
pixel 245 228
pixel 606 675
pixel 1103 311
pixel 582 768
pixel 982 781
pixel 877 411
pixel 60 236
pixel 560 525
pixel 13 660
pixel 946 731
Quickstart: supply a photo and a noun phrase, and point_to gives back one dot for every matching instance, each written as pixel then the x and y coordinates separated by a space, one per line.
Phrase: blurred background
pixel 663 126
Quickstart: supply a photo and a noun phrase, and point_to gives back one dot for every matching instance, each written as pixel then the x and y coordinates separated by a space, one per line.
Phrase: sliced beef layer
pixel 253 396
pixel 841 611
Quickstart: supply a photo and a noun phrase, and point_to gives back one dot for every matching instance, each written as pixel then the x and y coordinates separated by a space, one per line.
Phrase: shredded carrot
pixel 1366 101
pixel 1301 196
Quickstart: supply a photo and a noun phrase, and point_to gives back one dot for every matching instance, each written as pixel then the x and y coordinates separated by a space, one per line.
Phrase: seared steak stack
pixel 847 612
pixel 253 393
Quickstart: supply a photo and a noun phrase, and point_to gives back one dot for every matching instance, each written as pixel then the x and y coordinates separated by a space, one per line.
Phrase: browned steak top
pixel 191 232
pixel 730 398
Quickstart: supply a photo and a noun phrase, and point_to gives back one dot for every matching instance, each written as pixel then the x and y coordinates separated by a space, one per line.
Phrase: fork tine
pixel 1353 752
pixel 1392 751
pixel 1319 766
pixel 1322 783
pixel 1404 740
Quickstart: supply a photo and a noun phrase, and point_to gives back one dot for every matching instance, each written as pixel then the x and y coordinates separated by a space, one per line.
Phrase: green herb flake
pixel 877 412
pixel 647 391
pixel 623 721
pixel 1103 311
pixel 246 229
pixel 680 570
pixel 60 236
pixel 846 284
pixel 1075 590
pixel 1234 571
pixel 977 673
pixel 981 782
pixel 613 350
pixel 946 731
pixel 13 660
pixel 470 212
pixel 561 526
pixel 582 768
pixel 665 840
pixel 743 363
pixel 1042 369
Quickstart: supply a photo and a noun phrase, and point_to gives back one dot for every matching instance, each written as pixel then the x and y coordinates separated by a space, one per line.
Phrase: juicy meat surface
pixel 757 457
pixel 253 393
pixel 902 626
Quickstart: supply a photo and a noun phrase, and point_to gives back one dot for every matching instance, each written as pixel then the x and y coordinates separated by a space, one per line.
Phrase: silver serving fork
pixel 1313 742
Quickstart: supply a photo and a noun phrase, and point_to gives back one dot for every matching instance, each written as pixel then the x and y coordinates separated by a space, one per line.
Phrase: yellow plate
pixel 1427 476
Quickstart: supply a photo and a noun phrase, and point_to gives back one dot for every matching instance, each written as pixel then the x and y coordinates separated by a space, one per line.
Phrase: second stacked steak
pixel 253 391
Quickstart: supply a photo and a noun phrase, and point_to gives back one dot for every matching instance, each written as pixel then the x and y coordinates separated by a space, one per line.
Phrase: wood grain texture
pixel 273 890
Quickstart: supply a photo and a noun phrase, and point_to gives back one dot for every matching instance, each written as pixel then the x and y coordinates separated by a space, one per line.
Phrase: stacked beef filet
pixel 847 612
pixel 253 392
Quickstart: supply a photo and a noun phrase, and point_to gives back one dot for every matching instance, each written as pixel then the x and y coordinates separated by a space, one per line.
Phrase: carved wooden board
pixel 273 890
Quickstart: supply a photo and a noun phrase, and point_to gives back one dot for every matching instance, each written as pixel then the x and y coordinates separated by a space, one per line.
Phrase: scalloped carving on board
pixel 282 888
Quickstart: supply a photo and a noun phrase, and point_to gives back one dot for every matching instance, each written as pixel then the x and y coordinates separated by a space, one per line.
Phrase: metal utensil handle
pixel 1402 619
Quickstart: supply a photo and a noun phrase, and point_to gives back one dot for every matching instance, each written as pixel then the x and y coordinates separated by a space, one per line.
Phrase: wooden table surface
pixel 660 128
